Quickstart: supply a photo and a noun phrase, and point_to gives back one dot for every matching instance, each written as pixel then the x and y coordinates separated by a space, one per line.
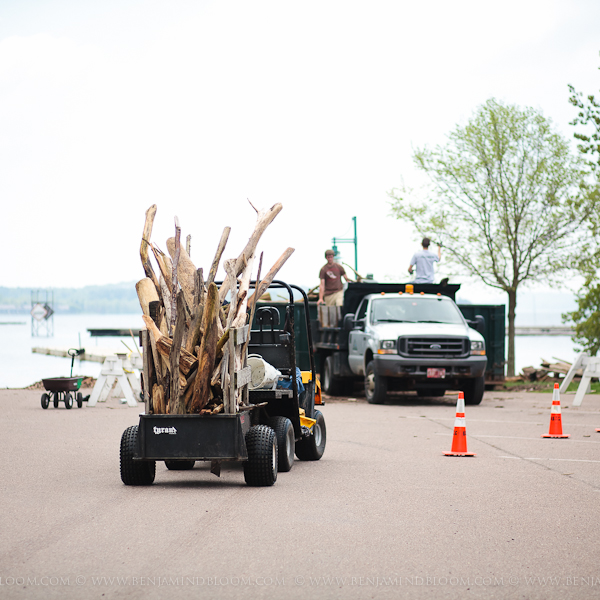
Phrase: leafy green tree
pixel 506 198
pixel 587 316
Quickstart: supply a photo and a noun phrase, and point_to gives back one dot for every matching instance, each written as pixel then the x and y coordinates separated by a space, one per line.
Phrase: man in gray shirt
pixel 424 260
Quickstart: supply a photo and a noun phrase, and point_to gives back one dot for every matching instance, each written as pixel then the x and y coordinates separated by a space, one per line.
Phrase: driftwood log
pixel 193 357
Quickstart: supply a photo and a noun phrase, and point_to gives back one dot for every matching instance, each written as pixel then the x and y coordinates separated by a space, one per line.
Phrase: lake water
pixel 19 367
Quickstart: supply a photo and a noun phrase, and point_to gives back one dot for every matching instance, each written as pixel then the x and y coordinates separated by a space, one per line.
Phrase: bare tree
pixel 507 199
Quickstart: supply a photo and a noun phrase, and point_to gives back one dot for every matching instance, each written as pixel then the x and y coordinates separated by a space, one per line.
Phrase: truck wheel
pixel 375 386
pixel 180 465
pixel 45 401
pixel 331 384
pixel 134 472
pixel 68 400
pixel 474 390
pixel 286 442
pixel 261 467
pixel 313 446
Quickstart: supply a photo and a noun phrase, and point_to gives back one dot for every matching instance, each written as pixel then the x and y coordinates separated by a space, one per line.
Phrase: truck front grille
pixel 433 347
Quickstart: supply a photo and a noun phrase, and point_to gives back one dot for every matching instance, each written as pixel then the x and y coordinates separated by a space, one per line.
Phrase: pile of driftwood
pixel 548 371
pixel 189 319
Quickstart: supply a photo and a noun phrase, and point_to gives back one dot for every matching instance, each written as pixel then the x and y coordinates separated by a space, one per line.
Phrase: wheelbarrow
pixel 64 389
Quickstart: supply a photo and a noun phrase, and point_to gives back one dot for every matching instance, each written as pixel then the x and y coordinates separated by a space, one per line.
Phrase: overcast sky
pixel 196 106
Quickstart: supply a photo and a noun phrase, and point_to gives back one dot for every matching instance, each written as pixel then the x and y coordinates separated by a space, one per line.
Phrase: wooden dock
pixel 95 355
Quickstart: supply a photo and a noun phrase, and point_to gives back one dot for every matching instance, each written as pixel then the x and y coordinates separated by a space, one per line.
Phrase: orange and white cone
pixel 459 439
pixel 555 417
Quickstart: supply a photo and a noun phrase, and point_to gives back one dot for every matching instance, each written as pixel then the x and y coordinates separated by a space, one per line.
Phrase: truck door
pixel 357 340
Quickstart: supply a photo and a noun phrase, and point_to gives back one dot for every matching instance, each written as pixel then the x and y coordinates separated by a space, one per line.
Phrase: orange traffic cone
pixel 459 440
pixel 555 417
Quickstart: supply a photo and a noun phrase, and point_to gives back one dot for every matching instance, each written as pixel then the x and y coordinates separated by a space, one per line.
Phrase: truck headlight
pixel 387 347
pixel 478 348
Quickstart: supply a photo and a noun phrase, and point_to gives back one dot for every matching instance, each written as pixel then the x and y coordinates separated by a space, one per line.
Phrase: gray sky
pixel 109 107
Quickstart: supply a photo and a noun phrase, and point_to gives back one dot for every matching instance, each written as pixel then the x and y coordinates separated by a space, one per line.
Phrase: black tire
pixel 261 467
pixel 331 384
pixel 430 393
pixel 55 401
pixel 286 442
pixel 134 472
pixel 375 386
pixel 68 400
pixel 180 465
pixel 45 401
pixel 79 399
pixel 474 389
pixel 313 446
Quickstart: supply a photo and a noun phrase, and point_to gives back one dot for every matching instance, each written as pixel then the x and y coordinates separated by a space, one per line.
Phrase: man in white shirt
pixel 424 260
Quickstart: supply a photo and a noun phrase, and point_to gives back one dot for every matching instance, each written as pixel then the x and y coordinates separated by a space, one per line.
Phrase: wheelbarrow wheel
pixel 68 400
pixel 79 399
pixel 56 399
pixel 45 401
pixel 134 472
pixel 261 467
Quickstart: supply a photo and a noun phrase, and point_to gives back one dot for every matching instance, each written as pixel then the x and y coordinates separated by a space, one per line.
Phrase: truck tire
pixel 474 389
pixel 261 467
pixel 180 465
pixel 286 442
pixel 375 386
pixel 313 446
pixel 45 401
pixel 134 472
pixel 332 385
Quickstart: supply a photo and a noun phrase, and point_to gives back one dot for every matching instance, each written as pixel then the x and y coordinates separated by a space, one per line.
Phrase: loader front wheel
pixel 261 467
pixel 313 446
pixel 134 472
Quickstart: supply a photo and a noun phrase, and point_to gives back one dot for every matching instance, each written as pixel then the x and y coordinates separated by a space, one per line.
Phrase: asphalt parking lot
pixel 383 515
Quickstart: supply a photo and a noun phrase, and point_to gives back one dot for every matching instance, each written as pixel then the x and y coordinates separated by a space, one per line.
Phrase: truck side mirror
pixel 349 322
pixel 478 324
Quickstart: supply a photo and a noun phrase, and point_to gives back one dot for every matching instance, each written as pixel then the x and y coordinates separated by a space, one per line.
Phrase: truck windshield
pixel 415 310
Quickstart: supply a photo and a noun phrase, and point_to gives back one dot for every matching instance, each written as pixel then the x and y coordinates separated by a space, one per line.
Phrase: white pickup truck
pixel 414 341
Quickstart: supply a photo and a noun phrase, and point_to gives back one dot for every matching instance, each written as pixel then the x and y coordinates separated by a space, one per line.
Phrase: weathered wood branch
pixel 187 361
pixel 221 247
pixel 208 349
pixel 268 279
pixel 146 235
pixel 264 218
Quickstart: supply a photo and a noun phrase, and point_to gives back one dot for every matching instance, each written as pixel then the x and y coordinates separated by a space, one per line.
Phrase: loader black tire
pixel 55 401
pixel 45 401
pixel 180 465
pixel 68 400
pixel 79 399
pixel 286 442
pixel 134 472
pixel 261 467
pixel 313 446
pixel 376 386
